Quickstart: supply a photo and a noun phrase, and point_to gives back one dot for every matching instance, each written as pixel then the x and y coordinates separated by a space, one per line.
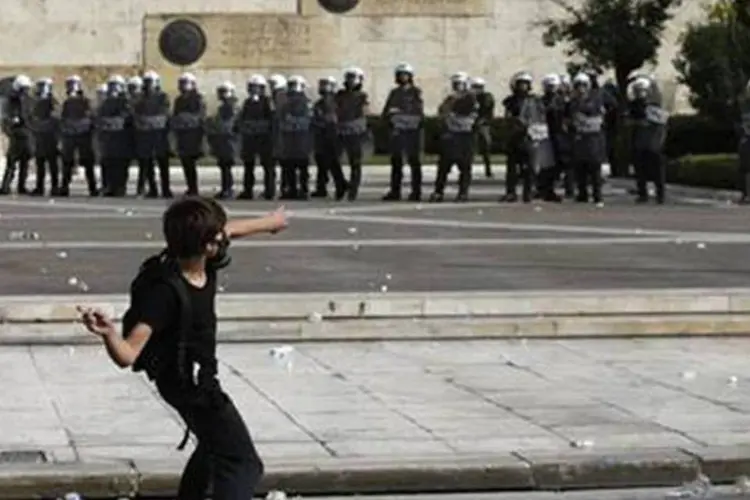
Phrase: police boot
pixel 23 173
pixel 90 173
pixel 10 170
pixel 165 178
pixel 40 175
pixel 54 176
pixel 248 182
pixel 436 197
pixel 745 200
pixel 269 182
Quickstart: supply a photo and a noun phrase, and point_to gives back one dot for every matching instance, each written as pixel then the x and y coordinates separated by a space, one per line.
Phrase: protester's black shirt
pixel 161 312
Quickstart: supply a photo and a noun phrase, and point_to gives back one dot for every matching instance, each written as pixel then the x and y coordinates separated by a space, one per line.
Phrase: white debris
pixel 73 281
pixel 537 208
pixel 638 230
pixel 600 205
pixel 742 485
pixel 51 201
pixel 355 247
pixel 221 289
pixel 149 236
pixel 352 230
pixel 418 206
pixel 268 269
pixel 72 496
pixel 732 380
pixel 62 254
pixel 388 277
pixel 331 211
pixel 701 246
pixel 315 317
pixel 276 495
pixel 688 375
pixel 284 356
pixel 582 443
pixel 678 241
pixel 700 488
pixel 383 288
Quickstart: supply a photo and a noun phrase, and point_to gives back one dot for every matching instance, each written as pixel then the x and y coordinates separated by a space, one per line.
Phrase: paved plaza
pixel 693 241
pixel 335 402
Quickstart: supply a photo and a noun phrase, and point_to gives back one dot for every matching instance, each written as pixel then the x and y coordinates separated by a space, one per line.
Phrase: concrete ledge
pixel 522 470
pixel 723 464
pixel 584 469
pixel 100 480
pixel 342 306
pixel 418 329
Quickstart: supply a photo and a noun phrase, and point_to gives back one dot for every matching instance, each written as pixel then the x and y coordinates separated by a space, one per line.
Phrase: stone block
pixel 100 480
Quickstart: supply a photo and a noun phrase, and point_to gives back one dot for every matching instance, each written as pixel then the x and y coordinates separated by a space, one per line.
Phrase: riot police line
pixel 557 137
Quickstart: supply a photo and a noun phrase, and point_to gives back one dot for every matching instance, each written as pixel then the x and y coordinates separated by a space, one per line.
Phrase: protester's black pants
pixel 225 455
pixel 649 167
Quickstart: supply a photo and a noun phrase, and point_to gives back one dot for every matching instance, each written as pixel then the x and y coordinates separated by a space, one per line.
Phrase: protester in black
pixel 197 234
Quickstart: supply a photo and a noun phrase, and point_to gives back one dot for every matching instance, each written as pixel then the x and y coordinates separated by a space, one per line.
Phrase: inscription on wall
pixel 239 41
pixel 408 8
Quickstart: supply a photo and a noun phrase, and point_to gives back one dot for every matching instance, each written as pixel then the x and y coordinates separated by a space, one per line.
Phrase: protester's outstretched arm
pixel 272 223
pixel 123 352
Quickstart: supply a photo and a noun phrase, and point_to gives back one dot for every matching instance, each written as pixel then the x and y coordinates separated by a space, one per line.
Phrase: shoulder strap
pixel 180 289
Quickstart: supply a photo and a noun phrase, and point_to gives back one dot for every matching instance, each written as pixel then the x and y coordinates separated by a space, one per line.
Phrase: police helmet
pixel 460 80
pixel 225 89
pixel 73 84
pixel 521 77
pixel 186 82
pixel 404 68
pixel 551 81
pixel 582 80
pixel 44 86
pixel 478 83
pixel 135 82
pixel 327 84
pixel 258 80
pixel 21 82
pixel 296 83
pixel 277 81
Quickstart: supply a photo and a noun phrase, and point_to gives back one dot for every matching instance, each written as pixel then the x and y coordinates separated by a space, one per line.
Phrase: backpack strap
pixel 184 371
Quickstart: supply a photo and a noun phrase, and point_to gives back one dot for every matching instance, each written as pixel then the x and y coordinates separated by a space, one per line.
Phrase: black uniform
pixel 327 147
pixel 115 129
pixel 16 127
pixel 404 114
pixel 458 114
pixel 278 97
pixel 45 128
pixel 255 124
pixel 187 123
pixel 516 145
pixel 554 104
pixel 220 132
pixel 586 115
pixel 649 128
pixel 76 130
pixel 743 148
pixel 150 121
pixel 295 116
pixel 351 107
pixel 484 129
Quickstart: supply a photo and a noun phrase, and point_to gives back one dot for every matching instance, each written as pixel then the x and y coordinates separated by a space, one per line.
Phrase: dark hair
pixel 190 223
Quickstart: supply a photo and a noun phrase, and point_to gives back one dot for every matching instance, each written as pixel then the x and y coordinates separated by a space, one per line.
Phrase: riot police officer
pixel 255 124
pixel 295 116
pixel 220 132
pixel 44 126
pixel 277 85
pixel 458 115
pixel 744 145
pixel 649 129
pixel 16 120
pixel 114 126
pixel 151 120
pixel 326 141
pixel 517 161
pixel 187 123
pixel 586 117
pixel 76 128
pixel 554 106
pixel 484 124
pixel 134 89
pixel 352 105
pixel 404 114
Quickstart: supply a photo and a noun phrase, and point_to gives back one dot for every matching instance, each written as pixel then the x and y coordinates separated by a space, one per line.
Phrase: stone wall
pixel 488 38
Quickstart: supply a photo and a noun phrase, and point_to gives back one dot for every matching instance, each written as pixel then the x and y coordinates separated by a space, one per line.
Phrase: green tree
pixel 713 61
pixel 618 35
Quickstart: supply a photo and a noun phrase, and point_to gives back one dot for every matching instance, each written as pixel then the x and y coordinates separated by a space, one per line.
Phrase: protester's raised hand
pixel 96 321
